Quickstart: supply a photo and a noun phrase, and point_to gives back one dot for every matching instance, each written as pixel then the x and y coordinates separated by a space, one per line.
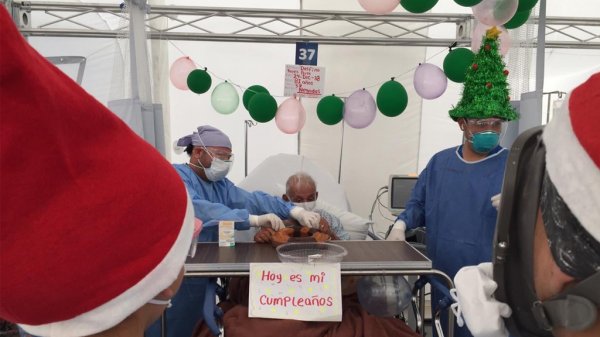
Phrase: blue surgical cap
pixel 206 136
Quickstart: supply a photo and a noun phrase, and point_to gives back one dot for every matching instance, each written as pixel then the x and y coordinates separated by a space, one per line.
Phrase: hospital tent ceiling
pixel 189 23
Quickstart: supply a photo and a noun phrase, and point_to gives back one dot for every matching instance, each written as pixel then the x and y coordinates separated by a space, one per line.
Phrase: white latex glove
pixel 306 218
pixel 266 220
pixel 398 232
pixel 496 201
pixel 483 314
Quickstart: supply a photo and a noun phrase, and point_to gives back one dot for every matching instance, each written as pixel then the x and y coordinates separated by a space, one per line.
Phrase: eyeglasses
pixel 485 124
pixel 226 156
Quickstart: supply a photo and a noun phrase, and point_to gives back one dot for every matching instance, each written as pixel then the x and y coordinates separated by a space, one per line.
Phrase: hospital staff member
pixel 452 200
pixel 216 198
pixel 547 267
pixel 452 195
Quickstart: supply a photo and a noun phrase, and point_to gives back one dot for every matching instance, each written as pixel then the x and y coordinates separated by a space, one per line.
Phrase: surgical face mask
pixel 309 205
pixel 217 170
pixel 484 142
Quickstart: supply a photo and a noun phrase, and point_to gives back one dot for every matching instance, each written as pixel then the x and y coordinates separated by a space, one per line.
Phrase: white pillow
pixel 353 224
pixel 270 177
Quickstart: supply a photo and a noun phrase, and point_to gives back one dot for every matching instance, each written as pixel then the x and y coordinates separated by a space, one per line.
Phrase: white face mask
pixel 217 170
pixel 309 205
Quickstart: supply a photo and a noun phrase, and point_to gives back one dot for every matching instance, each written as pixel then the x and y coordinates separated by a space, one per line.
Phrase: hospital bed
pixel 376 257
pixel 270 177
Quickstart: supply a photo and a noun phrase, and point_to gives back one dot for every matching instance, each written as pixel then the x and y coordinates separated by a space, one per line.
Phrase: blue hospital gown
pixel 334 224
pixel 222 200
pixel 213 201
pixel 452 200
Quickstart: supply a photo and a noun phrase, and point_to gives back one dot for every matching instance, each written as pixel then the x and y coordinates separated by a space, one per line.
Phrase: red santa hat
pixel 94 222
pixel 572 140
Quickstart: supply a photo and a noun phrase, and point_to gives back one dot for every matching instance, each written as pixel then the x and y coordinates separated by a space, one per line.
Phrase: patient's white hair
pixel 299 179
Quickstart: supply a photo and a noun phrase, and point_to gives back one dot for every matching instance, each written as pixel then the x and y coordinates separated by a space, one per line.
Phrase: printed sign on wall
pixel 306 81
pixel 305 292
pixel 307 53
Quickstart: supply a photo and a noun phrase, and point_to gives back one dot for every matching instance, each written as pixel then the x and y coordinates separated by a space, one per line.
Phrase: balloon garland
pixel 360 108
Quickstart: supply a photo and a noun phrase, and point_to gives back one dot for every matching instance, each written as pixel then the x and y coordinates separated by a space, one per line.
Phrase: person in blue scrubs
pixel 216 198
pixel 452 200
pixel 452 196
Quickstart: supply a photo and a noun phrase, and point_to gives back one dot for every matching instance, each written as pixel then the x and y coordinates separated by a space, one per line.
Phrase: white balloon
pixel 360 109
pixel 495 12
pixel 430 81
pixel 379 6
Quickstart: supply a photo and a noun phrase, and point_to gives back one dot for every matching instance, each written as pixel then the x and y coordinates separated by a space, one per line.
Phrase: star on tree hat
pixel 94 222
pixel 572 140
pixel 485 92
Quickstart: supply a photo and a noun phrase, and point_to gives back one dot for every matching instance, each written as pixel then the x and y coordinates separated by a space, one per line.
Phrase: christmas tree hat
pixel 485 93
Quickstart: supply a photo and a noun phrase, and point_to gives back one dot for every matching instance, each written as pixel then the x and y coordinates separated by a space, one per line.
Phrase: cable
pixel 381 213
pixel 378 194
pixel 379 204
pixel 382 190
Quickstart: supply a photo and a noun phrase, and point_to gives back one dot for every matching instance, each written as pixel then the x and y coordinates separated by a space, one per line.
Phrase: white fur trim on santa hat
pixel 116 310
pixel 573 172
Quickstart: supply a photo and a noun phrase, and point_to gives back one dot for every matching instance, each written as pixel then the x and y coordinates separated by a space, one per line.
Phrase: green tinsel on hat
pixel 486 93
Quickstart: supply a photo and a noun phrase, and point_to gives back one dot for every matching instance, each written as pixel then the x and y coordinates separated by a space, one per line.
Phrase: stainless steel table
pixel 364 258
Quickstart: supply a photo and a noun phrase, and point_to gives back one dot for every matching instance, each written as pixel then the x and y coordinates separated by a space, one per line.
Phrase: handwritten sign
pixel 304 292
pixel 307 81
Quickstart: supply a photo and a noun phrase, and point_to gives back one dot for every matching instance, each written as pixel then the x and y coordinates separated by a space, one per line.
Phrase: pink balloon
pixel 479 33
pixel 495 12
pixel 290 116
pixel 379 6
pixel 360 109
pixel 430 81
pixel 180 69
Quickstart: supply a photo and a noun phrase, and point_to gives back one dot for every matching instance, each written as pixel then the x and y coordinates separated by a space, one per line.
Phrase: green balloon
pixel 456 64
pixel 262 107
pixel 467 3
pixel 526 4
pixel 518 19
pixel 249 93
pixel 392 98
pixel 418 6
pixel 330 110
pixel 199 81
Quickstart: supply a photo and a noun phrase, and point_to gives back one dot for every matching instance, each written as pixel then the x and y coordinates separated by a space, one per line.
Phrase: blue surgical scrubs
pixel 452 200
pixel 213 201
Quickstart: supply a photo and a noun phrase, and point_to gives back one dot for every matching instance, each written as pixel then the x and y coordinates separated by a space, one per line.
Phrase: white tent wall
pixel 388 145
pixel 103 75
pixel 244 64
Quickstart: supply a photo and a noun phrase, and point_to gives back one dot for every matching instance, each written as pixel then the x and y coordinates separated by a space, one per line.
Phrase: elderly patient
pixel 301 190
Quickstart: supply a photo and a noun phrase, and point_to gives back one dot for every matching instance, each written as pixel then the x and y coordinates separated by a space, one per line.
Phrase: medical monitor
pixel 399 189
